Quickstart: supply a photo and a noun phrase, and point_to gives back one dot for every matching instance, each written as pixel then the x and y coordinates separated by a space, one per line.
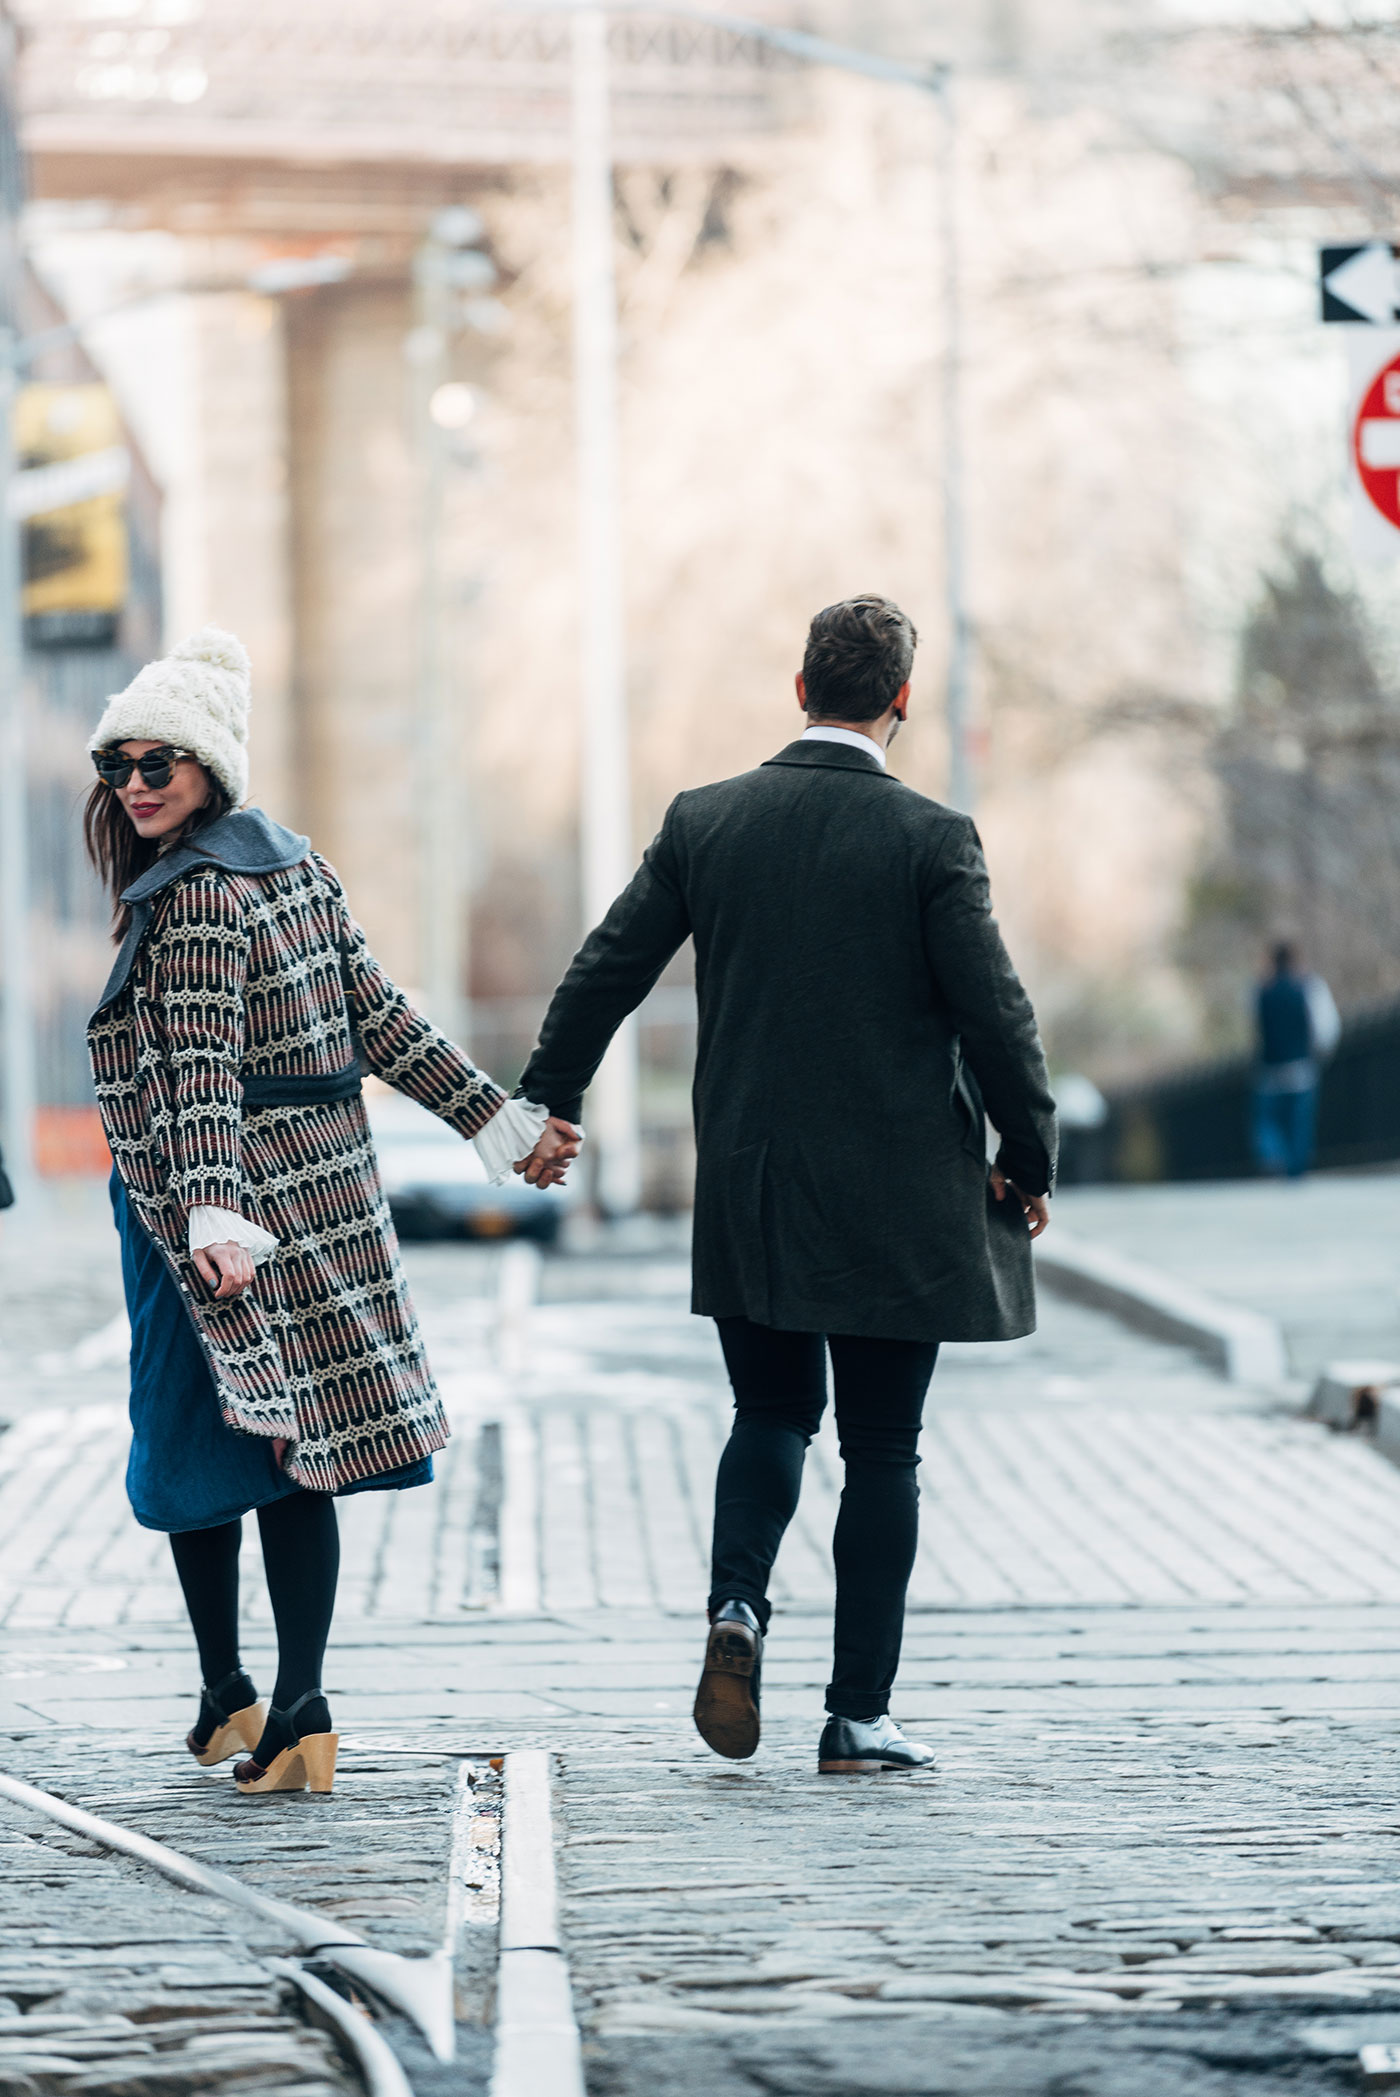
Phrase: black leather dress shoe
pixel 852 1745
pixel 726 1703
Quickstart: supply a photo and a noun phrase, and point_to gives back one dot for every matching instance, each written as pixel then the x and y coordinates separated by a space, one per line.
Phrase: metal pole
pixel 606 817
pixel 961 784
pixel 937 80
pixel 441 917
pixel 16 979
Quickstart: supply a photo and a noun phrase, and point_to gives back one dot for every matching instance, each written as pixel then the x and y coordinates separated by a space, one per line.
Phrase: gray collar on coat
pixel 839 757
pixel 245 841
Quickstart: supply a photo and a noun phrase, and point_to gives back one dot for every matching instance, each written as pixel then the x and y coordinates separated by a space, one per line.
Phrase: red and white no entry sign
pixel 1375 441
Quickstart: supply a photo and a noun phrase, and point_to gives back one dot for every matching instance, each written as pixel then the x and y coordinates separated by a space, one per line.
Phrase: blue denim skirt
pixel 189 1469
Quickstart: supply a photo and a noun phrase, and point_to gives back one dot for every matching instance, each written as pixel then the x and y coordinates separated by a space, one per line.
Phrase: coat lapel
pixel 245 841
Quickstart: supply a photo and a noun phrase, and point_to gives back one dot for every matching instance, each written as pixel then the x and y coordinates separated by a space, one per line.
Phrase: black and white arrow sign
pixel 1361 285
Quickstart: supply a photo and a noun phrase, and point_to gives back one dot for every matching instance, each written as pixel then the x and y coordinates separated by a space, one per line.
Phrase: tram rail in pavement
pixel 536 2033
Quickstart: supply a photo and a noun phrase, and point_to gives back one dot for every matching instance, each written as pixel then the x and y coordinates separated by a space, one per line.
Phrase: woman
pixel 276 1361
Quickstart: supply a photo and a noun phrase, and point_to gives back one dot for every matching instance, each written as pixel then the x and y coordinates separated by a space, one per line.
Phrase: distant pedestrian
pixel 275 1358
pixel 1298 1027
pixel 858 1012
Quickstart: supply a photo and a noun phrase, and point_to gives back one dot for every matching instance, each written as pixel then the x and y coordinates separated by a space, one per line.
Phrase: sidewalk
pixel 1320 1256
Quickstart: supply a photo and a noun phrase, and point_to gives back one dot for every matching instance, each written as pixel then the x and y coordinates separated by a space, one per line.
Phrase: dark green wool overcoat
pixel 857 1010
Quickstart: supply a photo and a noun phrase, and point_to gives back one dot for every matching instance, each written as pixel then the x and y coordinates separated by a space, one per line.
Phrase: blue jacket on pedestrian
pixel 1285 1022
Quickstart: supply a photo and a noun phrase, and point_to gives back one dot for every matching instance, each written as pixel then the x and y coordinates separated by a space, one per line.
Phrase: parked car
pixel 437 1186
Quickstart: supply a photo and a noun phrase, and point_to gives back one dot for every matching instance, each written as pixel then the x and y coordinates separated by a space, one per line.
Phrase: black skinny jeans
pixel 779 1381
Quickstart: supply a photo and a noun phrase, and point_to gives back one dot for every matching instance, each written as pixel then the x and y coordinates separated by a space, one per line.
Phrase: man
pixel 1298 1027
pixel 856 1010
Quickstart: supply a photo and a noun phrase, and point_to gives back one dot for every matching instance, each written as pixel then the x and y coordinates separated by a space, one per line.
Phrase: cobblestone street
pixel 654 654
pixel 1153 1637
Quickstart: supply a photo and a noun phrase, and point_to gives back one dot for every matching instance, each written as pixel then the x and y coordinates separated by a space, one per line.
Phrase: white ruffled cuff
pixel 222 1227
pixel 511 1134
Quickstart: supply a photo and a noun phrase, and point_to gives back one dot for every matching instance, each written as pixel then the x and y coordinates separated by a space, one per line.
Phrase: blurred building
pixel 314 505
pixel 364 475
pixel 92 615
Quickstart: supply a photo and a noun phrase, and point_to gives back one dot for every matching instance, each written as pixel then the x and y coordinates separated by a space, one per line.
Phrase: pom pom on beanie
pixel 196 698
pixel 212 645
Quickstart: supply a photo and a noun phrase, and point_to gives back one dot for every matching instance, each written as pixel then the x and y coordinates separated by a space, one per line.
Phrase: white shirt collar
pixel 867 743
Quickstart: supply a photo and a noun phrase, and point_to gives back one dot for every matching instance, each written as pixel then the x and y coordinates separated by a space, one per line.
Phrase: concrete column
pixel 246 518
pixel 355 581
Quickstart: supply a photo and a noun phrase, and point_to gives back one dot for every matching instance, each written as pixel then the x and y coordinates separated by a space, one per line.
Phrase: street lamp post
pixel 441 955
pixel 936 80
pixel 605 813
pixel 605 797
pixel 449 267
pixel 961 781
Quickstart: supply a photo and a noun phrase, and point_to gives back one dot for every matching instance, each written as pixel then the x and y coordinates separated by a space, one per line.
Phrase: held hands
pixel 227 1268
pixel 549 1161
pixel 1034 1207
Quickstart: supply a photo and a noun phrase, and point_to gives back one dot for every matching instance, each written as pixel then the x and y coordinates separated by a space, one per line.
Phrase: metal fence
pixel 1196 1125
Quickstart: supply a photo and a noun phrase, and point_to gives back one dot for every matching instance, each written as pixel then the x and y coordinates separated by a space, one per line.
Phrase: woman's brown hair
pixel 120 854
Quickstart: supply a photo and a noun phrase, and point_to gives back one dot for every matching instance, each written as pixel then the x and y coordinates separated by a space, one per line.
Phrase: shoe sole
pixel 863 1769
pixel 726 1716
pixel 308 1766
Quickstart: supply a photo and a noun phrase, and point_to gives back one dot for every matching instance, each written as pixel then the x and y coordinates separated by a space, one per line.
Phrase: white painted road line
pixel 520 1516
pixel 537 2036
pixel 517 1292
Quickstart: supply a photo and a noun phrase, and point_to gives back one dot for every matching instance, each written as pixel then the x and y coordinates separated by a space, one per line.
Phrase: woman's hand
pixel 1034 1207
pixel 552 1156
pixel 227 1268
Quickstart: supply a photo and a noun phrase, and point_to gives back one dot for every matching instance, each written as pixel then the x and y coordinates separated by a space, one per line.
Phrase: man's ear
pixel 901 700
pixel 802 691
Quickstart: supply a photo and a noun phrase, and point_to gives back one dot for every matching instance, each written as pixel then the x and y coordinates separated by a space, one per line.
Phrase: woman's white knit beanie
pixel 197 699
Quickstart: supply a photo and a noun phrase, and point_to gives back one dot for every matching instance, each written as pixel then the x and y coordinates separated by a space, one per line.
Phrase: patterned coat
pixel 232 971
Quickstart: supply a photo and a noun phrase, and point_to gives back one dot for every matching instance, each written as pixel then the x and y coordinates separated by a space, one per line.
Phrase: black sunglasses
pixel 155 767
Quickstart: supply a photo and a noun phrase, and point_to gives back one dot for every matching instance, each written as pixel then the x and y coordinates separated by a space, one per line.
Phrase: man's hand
pixel 549 1161
pixel 227 1268
pixel 1034 1207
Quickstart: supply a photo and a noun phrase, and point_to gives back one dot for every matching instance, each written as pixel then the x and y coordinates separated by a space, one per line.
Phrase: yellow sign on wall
pixel 69 494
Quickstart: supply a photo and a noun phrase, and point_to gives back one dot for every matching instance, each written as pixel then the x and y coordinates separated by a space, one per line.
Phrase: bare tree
pixel 1308 767
pixel 1282 114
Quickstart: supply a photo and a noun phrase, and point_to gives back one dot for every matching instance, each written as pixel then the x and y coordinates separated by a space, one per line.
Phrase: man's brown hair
pixel 858 655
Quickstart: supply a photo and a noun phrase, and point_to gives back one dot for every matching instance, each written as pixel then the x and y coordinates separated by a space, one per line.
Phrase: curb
pixel 1361 1397
pixel 537 2037
pixel 1244 1345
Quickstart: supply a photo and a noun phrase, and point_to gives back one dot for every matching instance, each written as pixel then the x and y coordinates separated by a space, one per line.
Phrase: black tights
pixel 779 1381
pixel 301 1555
